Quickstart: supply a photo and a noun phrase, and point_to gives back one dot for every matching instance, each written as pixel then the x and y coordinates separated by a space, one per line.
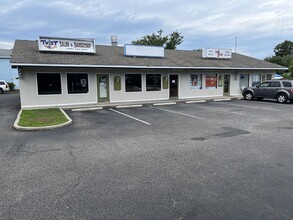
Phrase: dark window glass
pixel 275 84
pixel 287 84
pixel 153 82
pixel 269 76
pixel 2 83
pixel 133 82
pixel 264 84
pixel 77 83
pixel 49 83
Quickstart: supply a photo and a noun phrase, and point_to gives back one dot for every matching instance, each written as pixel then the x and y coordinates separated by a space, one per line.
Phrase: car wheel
pixel 248 96
pixel 282 98
pixel 259 99
pixel 1 91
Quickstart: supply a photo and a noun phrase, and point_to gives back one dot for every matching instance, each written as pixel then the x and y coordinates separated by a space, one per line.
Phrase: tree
pixel 283 56
pixel 284 49
pixel 156 39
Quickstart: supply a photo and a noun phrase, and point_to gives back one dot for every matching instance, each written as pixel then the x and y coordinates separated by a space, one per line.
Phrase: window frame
pixel 141 82
pixel 246 74
pixel 199 87
pixel 78 93
pixel 37 84
pixel 256 82
pixel 152 74
pixel 216 83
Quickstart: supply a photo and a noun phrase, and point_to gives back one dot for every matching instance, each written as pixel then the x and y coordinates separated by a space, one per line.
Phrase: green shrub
pixel 11 85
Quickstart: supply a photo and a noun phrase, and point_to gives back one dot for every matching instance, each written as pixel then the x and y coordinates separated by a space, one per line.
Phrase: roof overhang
pixel 142 67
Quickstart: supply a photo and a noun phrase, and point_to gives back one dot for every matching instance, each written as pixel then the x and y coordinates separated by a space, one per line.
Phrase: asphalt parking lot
pixel 214 160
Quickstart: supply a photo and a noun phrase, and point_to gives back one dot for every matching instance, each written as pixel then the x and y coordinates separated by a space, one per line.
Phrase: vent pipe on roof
pixel 114 40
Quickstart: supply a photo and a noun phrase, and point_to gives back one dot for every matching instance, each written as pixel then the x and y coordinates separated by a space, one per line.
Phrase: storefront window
pixel 133 82
pixel 153 82
pixel 49 83
pixel 211 81
pixel 77 83
pixel 244 80
pixel 256 79
pixel 196 81
pixel 269 76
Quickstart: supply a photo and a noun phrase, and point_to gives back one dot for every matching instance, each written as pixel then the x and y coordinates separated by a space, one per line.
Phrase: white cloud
pixel 6 44
pixel 10 6
pixel 209 20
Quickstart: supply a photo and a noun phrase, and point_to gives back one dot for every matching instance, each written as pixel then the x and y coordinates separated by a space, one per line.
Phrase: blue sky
pixel 259 25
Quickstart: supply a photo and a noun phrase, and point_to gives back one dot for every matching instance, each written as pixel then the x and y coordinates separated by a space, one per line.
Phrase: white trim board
pixel 142 67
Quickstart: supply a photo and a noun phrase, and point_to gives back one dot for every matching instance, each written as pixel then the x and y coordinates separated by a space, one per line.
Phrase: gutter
pixel 141 67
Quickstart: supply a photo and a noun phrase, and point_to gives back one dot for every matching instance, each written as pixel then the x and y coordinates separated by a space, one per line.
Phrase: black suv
pixel 282 90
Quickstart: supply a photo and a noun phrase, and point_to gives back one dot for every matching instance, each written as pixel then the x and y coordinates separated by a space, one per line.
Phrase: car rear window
pixel 2 83
pixel 287 84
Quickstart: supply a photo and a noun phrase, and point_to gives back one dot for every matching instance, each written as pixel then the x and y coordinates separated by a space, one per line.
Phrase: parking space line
pixel 219 109
pixel 129 116
pixel 237 113
pixel 254 107
pixel 179 113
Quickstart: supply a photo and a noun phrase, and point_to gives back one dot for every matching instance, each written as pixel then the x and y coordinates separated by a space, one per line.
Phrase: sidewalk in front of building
pixel 121 105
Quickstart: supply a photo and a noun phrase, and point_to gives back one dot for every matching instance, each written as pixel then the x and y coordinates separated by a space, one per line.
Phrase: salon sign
pixel 67 45
pixel 217 53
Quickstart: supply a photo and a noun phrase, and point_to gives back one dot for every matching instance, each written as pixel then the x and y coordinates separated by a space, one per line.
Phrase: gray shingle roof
pixel 27 53
pixel 5 53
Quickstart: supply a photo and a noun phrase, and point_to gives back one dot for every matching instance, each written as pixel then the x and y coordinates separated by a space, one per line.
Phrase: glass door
pixel 227 84
pixel 103 88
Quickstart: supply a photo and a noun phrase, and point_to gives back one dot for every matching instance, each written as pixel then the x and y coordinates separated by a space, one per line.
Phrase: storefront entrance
pixel 103 88
pixel 173 86
pixel 227 84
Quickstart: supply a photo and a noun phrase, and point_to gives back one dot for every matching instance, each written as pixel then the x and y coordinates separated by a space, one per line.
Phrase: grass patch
pixel 41 117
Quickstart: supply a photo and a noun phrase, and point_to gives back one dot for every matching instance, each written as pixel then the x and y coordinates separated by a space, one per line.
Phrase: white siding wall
pixel 123 96
pixel 29 91
pixel 30 98
pixel 186 92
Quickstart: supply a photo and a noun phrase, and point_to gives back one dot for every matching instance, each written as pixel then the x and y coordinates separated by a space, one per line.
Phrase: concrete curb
pixel 164 103
pixel 21 128
pixel 86 109
pixel 196 101
pixel 128 106
pixel 221 100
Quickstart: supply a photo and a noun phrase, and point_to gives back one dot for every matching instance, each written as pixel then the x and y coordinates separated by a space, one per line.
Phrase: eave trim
pixel 142 67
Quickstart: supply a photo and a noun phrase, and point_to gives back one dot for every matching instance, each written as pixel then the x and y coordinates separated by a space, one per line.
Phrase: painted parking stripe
pixel 179 113
pixel 221 110
pixel 129 116
pixel 254 107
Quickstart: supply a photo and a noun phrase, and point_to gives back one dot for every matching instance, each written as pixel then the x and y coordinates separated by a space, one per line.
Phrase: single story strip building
pixel 59 72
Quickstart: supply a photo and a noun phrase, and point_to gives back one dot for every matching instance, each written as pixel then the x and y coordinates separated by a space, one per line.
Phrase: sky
pixel 258 25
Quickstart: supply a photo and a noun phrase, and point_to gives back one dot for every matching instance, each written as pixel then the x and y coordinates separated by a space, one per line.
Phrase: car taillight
pixel 292 90
pixel 6 86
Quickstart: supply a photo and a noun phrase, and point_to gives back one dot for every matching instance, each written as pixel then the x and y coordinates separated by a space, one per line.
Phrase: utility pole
pixel 236 44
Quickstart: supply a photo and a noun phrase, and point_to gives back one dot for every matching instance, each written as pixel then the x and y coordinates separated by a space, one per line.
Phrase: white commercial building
pixel 75 72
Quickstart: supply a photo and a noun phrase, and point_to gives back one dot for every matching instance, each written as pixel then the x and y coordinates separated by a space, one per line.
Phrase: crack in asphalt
pixel 69 148
pixel 77 170
pixel 180 215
